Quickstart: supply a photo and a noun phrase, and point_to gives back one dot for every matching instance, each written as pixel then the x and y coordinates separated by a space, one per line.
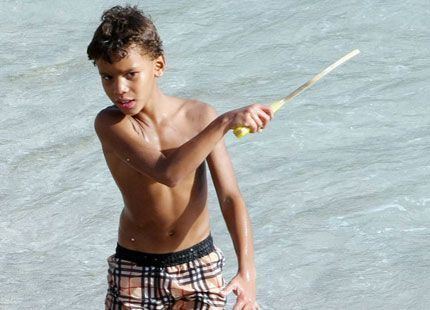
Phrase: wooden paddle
pixel 243 131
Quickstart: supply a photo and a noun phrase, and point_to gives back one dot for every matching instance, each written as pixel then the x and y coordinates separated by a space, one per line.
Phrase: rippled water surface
pixel 337 186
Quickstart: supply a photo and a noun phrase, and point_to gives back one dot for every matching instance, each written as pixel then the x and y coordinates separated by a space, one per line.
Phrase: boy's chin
pixel 129 112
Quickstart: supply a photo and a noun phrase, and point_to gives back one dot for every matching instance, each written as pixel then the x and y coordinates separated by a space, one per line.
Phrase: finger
pixel 265 110
pixel 228 289
pixel 264 118
pixel 268 110
pixel 248 306
pixel 248 120
pixel 239 305
pixel 250 123
pixel 257 121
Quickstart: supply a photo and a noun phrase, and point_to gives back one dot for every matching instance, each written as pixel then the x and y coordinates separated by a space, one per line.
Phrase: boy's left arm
pixel 238 223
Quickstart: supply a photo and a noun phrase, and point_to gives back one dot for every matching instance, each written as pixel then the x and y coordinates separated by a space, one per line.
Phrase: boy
pixel 156 147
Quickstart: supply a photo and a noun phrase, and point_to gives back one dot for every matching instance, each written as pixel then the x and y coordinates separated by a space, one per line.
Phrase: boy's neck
pixel 156 109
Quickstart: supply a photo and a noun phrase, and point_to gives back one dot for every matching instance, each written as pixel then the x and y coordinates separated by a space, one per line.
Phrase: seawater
pixel 337 186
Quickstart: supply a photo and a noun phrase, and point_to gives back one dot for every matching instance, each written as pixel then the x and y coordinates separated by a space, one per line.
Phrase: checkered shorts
pixel 188 279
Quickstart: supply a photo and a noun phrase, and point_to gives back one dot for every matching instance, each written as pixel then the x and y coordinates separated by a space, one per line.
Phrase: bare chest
pixel 167 136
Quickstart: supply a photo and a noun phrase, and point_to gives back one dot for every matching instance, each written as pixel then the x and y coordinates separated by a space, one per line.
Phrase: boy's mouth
pixel 127 104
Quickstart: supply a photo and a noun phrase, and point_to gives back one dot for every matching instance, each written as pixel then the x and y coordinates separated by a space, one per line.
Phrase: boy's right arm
pixel 115 132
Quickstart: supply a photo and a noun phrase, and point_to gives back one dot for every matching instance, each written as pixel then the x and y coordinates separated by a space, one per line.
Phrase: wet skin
pixel 156 218
pixel 157 148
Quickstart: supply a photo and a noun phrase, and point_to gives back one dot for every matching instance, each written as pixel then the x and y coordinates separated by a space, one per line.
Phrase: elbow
pixel 173 174
pixel 164 174
pixel 231 200
pixel 170 180
pixel 164 179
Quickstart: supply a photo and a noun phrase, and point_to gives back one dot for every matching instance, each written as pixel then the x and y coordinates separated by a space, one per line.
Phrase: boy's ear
pixel 159 65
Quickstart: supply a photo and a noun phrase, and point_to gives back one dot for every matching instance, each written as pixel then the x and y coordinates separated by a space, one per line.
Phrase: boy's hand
pixel 243 287
pixel 255 117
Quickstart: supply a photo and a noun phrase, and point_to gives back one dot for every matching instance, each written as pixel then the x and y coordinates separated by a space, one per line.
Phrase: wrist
pixel 224 122
pixel 248 272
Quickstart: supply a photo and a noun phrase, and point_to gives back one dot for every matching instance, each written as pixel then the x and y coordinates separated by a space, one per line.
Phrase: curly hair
pixel 122 27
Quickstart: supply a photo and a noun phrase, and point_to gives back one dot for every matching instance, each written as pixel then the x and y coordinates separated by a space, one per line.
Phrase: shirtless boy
pixel 156 147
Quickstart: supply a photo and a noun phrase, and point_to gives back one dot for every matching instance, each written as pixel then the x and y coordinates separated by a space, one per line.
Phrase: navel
pixel 171 233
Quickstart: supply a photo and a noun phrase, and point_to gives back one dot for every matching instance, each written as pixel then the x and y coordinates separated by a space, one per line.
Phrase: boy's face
pixel 130 81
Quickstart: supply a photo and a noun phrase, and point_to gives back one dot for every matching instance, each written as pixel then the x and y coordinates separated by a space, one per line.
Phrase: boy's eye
pixel 131 74
pixel 106 77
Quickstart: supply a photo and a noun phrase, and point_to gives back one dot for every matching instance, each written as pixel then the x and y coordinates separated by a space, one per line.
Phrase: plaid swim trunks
pixel 188 279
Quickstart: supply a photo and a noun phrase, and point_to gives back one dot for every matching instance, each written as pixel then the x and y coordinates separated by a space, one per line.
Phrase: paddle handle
pixel 240 132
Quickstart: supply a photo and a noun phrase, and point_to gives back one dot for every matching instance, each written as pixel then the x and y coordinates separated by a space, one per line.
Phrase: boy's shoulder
pixel 109 112
pixel 200 111
pixel 107 117
pixel 196 111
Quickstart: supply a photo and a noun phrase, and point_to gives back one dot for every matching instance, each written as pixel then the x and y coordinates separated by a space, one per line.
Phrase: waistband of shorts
pixel 198 250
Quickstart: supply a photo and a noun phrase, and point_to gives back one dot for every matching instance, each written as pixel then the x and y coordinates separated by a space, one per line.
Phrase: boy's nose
pixel 120 87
